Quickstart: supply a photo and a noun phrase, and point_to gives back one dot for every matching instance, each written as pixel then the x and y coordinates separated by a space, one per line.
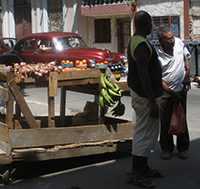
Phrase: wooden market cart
pixel 28 138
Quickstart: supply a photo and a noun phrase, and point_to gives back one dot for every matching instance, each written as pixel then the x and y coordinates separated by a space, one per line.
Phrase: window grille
pixel 102 31
pixel 55 15
pixel 173 22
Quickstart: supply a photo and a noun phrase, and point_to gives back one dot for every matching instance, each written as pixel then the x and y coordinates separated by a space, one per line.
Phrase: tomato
pixel 105 62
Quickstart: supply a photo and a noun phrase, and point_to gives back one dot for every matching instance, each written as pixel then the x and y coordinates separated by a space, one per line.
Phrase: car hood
pixel 97 54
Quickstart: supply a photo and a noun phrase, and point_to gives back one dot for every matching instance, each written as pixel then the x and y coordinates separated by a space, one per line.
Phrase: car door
pixel 27 48
pixel 45 51
pixel 33 53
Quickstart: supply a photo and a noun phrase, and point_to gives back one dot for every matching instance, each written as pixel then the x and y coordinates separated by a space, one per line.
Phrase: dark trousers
pixel 166 140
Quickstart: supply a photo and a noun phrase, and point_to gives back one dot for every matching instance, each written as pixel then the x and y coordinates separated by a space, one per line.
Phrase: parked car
pixel 59 46
pixel 7 44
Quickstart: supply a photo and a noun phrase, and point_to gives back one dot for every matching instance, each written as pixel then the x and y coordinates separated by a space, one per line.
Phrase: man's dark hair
pixel 161 31
pixel 141 18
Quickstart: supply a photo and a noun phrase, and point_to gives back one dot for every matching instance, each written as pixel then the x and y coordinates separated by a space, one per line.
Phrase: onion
pixel 16 64
pixel 22 77
pixel 22 64
pixel 60 67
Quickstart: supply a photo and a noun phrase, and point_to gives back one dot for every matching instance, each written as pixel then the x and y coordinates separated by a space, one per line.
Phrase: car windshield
pixel 10 43
pixel 67 42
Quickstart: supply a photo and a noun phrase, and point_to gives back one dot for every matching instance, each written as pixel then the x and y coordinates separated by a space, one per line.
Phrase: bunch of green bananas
pixel 110 94
pixel 119 110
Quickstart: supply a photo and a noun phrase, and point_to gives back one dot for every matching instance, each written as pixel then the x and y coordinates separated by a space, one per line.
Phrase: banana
pixel 107 99
pixel 102 81
pixel 108 104
pixel 113 94
pixel 116 87
pixel 105 95
pixel 108 83
pixel 101 102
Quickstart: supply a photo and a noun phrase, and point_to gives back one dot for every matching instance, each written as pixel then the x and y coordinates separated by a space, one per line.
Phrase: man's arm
pixel 175 95
pixel 186 80
pixel 141 55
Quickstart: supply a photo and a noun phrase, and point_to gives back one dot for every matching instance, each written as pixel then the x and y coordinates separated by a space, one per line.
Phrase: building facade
pixel 22 17
pixel 106 24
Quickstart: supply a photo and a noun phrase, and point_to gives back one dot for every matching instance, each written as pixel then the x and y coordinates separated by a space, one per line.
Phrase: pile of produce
pixel 110 95
pixel 38 70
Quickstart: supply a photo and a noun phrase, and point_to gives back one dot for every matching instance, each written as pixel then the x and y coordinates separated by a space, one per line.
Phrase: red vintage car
pixel 59 46
pixel 7 44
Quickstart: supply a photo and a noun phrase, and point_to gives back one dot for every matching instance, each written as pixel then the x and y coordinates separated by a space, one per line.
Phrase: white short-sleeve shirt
pixel 173 67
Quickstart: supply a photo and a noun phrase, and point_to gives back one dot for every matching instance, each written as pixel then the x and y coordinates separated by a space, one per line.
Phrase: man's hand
pixel 154 110
pixel 186 83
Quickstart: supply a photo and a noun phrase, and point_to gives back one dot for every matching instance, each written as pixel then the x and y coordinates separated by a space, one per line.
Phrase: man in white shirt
pixel 174 59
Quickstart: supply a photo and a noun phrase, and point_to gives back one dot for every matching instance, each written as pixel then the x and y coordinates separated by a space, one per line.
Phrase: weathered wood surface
pixel 5 147
pixel 10 102
pixel 53 84
pixel 68 75
pixel 62 105
pixel 4 94
pixel 40 154
pixel 3 132
pixel 22 104
pixel 68 135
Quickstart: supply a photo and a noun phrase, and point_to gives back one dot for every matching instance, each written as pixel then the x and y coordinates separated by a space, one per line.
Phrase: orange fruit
pixel 77 62
pixel 67 61
pixel 105 62
pixel 63 61
pixel 84 61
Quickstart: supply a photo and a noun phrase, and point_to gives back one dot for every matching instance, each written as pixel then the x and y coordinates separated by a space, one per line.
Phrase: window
pixel 102 31
pixel 28 44
pixel 171 21
pixel 44 44
pixel 55 15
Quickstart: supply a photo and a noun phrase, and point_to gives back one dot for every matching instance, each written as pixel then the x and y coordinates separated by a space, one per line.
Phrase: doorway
pixel 123 34
pixel 22 10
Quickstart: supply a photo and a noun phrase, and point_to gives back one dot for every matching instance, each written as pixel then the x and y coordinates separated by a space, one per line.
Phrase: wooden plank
pixel 4 94
pixel 5 147
pixel 10 102
pixel 78 82
pixel 69 75
pixel 23 105
pixel 21 123
pixel 62 105
pixel 3 132
pixel 29 155
pixel 88 89
pixel 58 136
pixel 53 84
pixel 51 112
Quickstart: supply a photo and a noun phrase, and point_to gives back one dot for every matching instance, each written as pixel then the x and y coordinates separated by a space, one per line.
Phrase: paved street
pixel 108 171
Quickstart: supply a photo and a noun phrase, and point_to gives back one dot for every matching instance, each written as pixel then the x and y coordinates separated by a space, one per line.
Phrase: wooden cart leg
pixel 62 105
pixel 10 102
pixel 51 114
pixel 52 92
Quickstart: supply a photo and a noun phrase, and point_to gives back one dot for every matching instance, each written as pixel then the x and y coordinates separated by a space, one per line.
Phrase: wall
pixel 195 20
pixel 164 8
pixel 110 46
pixel 112 11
